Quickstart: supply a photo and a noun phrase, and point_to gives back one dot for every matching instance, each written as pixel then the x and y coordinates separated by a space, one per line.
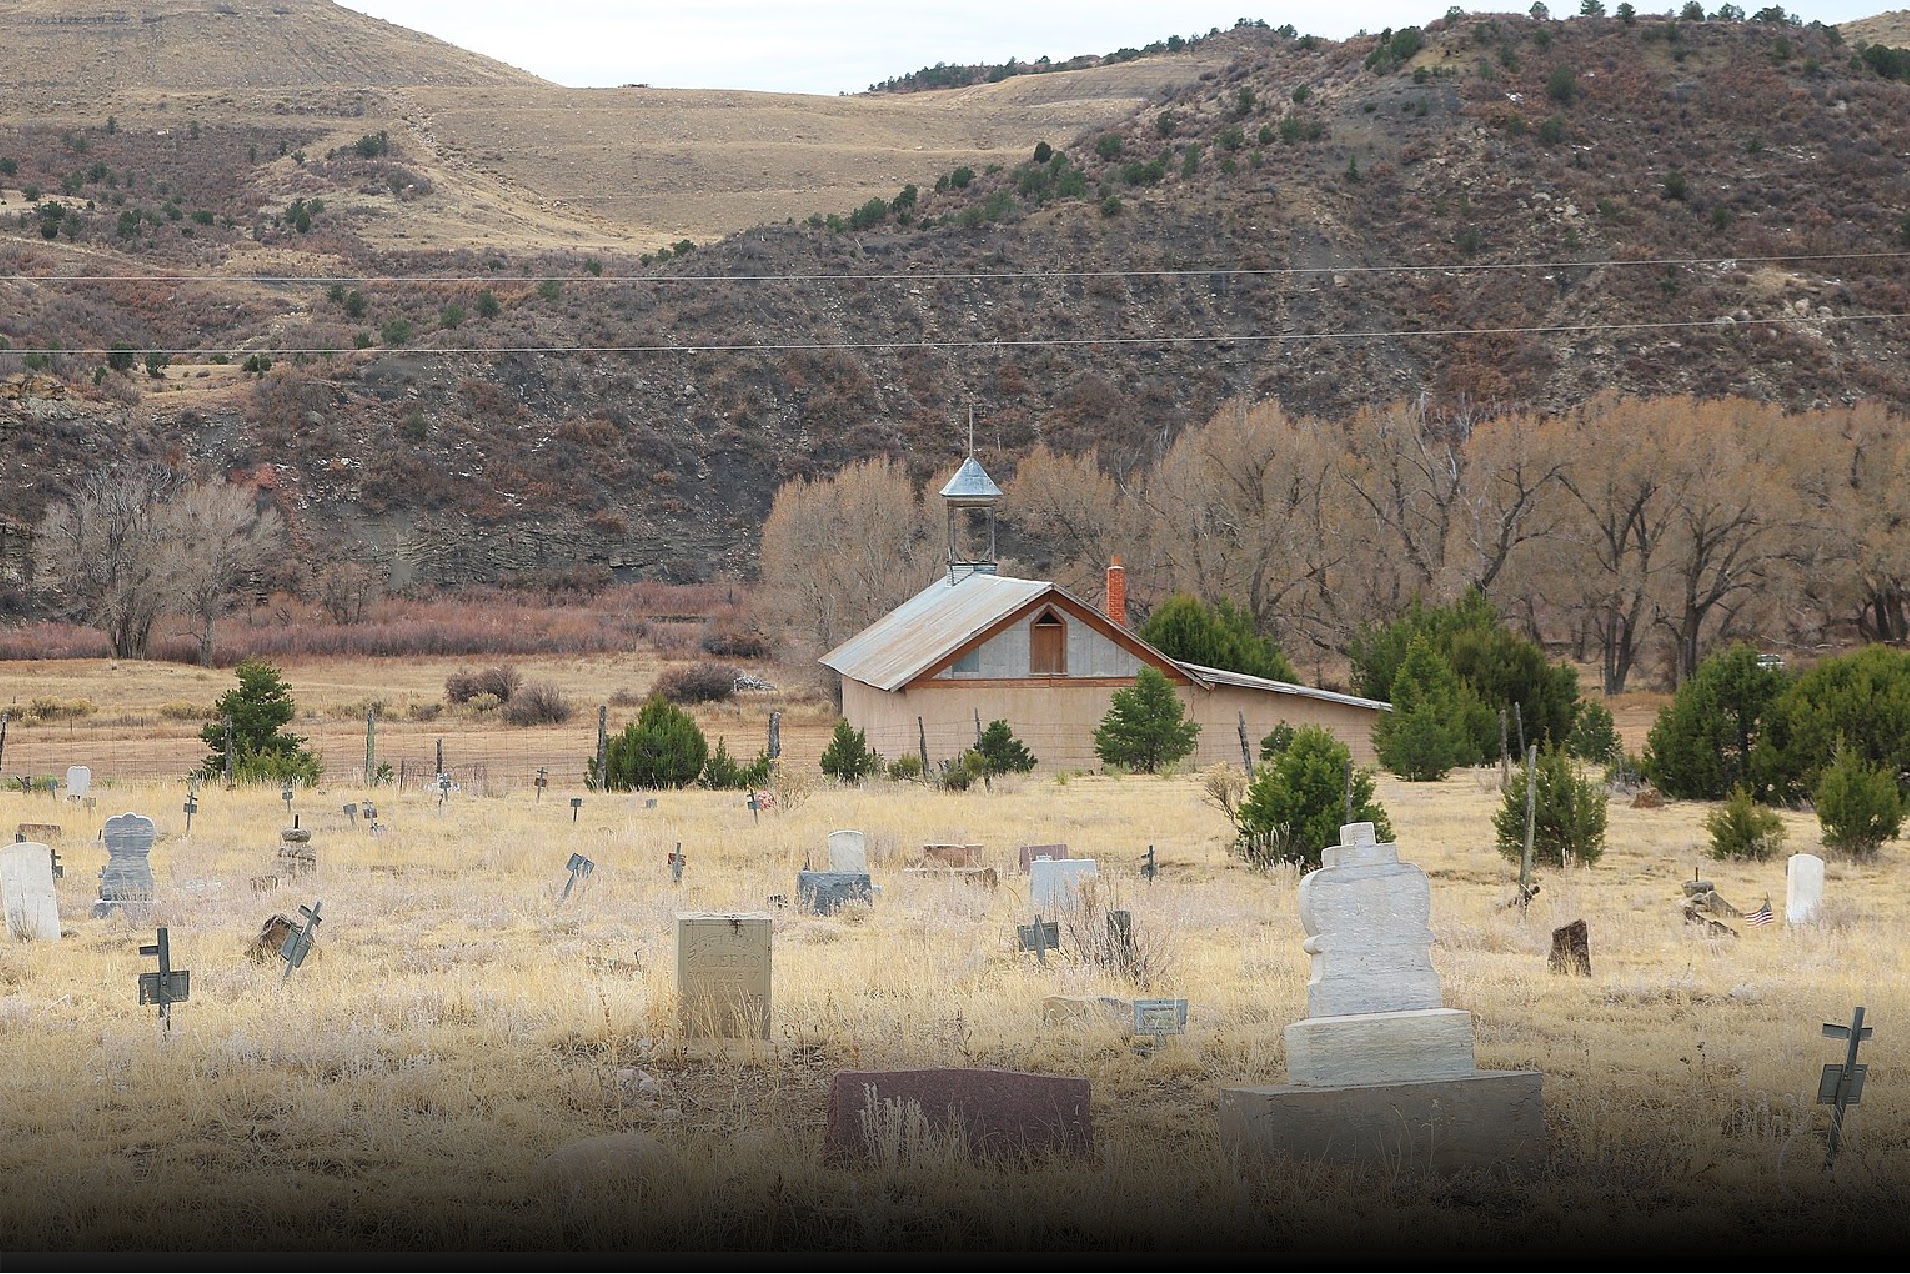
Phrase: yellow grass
pixel 459 1023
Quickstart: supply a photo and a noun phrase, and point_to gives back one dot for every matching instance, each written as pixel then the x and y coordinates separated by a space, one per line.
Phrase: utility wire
pixel 1459 267
pixel 1264 338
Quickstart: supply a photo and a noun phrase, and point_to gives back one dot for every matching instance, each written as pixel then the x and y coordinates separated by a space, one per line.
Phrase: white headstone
pixel 79 780
pixel 1054 884
pixel 1368 919
pixel 26 888
pixel 1803 888
pixel 848 851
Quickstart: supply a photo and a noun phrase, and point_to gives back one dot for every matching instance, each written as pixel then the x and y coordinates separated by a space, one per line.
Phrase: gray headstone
pixel 1368 919
pixel 1803 888
pixel 1054 884
pixel 26 887
pixel 79 781
pixel 128 875
pixel 824 892
pixel 848 851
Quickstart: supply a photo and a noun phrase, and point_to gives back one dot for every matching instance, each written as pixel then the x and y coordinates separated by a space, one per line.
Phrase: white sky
pixel 831 46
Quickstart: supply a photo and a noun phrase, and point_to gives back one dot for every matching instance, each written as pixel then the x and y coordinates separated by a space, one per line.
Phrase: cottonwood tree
pixel 840 552
pixel 222 536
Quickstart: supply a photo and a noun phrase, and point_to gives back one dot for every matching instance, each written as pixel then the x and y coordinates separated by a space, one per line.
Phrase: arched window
pixel 1048 646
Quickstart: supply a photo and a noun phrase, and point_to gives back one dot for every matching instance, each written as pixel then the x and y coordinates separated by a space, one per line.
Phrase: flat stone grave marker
pixel 1028 853
pixel 952 855
pixel 985 877
pixel 26 888
pixel 1160 1017
pixel 825 892
pixel 999 1114
pixel 723 963
pixel 44 833
pixel 1803 888
pixel 1054 884
pixel 79 781
pixel 128 874
pixel 1571 950
pixel 848 851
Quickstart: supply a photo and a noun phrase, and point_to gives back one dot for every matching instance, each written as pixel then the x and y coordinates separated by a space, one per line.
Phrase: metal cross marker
pixel 1039 937
pixel 286 796
pixel 579 867
pixel 298 943
pixel 350 811
pixel 755 814
pixel 192 807
pixel 676 865
pixel 444 786
pixel 1842 1086
pixel 1149 868
pixel 576 803
pixel 541 782
pixel 168 986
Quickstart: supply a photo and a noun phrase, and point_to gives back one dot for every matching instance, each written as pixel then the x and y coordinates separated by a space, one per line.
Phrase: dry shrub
pixel 625 697
pixel 180 710
pixel 538 703
pixel 733 643
pixel 49 709
pixel 699 683
pixel 500 682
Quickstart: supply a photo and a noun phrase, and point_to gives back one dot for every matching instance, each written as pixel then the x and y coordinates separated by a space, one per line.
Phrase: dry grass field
pixel 460 1022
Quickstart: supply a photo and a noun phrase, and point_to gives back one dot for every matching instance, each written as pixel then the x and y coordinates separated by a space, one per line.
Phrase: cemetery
pixel 689 1019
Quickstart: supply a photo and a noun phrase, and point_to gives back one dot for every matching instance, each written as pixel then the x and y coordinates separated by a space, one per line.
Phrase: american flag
pixel 1762 916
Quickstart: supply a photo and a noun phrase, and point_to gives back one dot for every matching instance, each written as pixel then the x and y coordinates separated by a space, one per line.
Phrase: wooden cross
pixel 1842 1086
pixel 169 985
pixel 298 943
pixel 579 867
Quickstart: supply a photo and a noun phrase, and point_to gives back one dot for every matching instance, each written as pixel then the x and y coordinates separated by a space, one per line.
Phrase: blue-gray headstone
pixel 127 876
pixel 824 892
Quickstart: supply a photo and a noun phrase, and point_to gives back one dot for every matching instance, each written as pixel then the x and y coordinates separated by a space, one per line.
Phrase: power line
pixel 1263 338
pixel 1458 267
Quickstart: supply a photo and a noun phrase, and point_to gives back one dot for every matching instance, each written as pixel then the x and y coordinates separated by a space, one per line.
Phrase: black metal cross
pixel 755 813
pixel 169 985
pixel 350 811
pixel 576 803
pixel 1842 1085
pixel 677 862
pixel 192 807
pixel 542 781
pixel 1039 937
pixel 1149 868
pixel 579 867
pixel 298 943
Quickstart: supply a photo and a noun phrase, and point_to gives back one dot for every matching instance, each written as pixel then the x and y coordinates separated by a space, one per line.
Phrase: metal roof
pixel 971 482
pixel 895 649
pixel 1226 678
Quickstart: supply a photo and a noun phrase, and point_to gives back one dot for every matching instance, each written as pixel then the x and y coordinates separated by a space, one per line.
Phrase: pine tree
pixel 260 707
pixel 1145 727
pixel 661 748
pixel 1423 737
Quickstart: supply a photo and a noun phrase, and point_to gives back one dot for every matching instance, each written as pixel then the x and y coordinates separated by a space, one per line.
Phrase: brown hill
pixel 1891 28
pixel 1516 212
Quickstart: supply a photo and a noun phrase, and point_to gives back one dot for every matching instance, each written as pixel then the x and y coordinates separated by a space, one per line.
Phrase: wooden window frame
pixel 1049 619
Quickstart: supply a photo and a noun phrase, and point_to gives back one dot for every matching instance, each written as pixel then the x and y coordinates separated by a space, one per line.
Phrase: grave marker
pixel 1160 1018
pixel 1040 937
pixel 579 867
pixel 1571 950
pixel 168 986
pixel 79 781
pixel 298 943
pixel 677 863
pixel 285 794
pixel 825 892
pixel 1803 888
pixel 1054 884
pixel 26 890
pixel 128 875
pixel 541 782
pixel 576 803
pixel 723 964
pixel 1028 853
pixel 297 854
pixel 1842 1085
pixel 191 807
pixel 350 811
pixel 848 851
pixel 1149 867
pixel 953 855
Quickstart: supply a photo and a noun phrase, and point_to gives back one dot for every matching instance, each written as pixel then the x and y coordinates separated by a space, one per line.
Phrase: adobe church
pixel 978 646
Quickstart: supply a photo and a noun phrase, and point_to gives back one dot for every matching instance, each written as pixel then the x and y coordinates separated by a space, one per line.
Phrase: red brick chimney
pixel 1117 592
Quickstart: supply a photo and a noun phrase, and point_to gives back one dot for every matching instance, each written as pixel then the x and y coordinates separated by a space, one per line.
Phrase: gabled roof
pixel 1223 677
pixel 895 649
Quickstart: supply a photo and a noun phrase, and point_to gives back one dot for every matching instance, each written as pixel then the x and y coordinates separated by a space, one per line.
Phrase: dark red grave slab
pixel 1003 1114
pixel 1028 853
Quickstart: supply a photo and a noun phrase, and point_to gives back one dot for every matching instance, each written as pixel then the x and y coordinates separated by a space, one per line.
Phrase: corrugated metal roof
pixel 892 651
pixel 1226 678
pixel 971 482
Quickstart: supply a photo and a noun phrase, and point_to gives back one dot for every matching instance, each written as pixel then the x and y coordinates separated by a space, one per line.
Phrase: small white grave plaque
pixel 79 781
pixel 26 887
pixel 1804 889
pixel 1054 884
pixel 1160 1017
pixel 848 851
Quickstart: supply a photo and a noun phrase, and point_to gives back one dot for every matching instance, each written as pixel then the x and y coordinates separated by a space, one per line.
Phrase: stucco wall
pixel 1057 719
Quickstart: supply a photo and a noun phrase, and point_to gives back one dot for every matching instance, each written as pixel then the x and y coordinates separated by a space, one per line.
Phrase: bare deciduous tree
pixel 222 535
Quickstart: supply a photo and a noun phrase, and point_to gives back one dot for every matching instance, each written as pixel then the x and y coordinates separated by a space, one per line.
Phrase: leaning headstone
pixel 26 887
pixel 952 855
pixel 79 781
pixel 1054 884
pixel 848 851
pixel 1571 950
pixel 128 874
pixel 997 1114
pixel 1803 888
pixel 723 975
pixel 825 892
pixel 1380 1070
pixel 1028 853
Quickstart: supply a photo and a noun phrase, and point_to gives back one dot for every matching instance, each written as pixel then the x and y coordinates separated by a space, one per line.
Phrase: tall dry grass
pixel 460 1022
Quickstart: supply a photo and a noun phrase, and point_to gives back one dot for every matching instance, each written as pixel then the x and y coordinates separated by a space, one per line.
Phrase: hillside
pixel 463 444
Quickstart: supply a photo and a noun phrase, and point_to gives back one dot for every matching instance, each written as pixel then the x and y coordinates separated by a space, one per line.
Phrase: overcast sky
pixel 832 46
